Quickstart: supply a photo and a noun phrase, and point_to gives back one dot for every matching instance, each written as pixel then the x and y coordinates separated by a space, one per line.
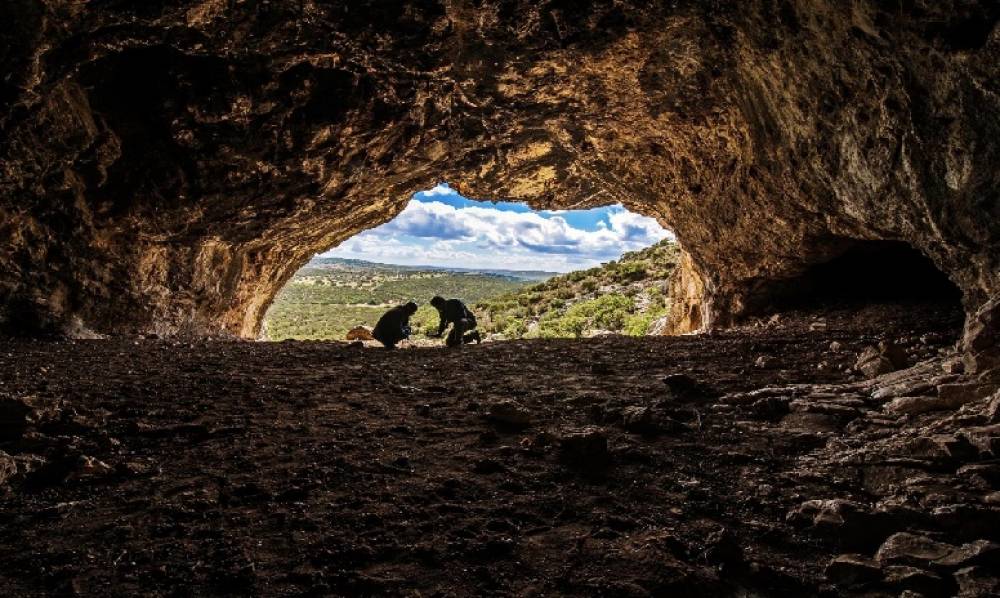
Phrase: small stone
pixel 916 405
pixel 763 361
pixel 977 581
pixel 509 413
pixel 986 439
pixel 8 467
pixel 980 552
pixel 886 358
pixel 824 513
pixel 931 338
pixel 989 473
pixel 360 333
pixel 905 548
pixel 957 395
pixel 953 366
pixel 981 339
pixel 965 519
pixel 992 411
pixel 872 364
pixel 924 583
pixel 906 388
pixel 89 466
pixel 852 569
pixel 817 325
pixel 638 419
pixel 836 347
pixel 941 446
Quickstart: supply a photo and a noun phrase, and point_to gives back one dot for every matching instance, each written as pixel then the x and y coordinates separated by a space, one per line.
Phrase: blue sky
pixel 439 227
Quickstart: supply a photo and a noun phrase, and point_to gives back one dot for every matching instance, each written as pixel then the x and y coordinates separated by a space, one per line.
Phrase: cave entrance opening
pixel 864 273
pixel 525 272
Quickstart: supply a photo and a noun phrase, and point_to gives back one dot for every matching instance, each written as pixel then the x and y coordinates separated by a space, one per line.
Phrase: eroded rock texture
pixel 167 165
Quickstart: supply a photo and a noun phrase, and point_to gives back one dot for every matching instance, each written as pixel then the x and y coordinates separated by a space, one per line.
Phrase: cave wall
pixel 166 166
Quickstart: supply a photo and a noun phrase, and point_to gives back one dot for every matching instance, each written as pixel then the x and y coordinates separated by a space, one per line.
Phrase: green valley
pixel 330 296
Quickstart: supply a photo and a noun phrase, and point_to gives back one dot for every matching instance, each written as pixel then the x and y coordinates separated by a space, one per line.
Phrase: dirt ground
pixel 196 468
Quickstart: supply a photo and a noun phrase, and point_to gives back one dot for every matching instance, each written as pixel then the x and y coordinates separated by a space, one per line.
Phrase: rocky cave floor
pixel 754 461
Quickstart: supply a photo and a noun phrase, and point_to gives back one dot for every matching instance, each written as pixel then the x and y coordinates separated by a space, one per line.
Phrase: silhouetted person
pixel 453 311
pixel 394 325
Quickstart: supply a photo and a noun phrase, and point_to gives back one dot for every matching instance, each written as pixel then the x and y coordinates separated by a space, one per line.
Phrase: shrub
pixel 638 324
pixel 631 271
pixel 515 329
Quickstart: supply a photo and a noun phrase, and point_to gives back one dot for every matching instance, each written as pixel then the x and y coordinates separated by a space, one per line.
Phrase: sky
pixel 439 227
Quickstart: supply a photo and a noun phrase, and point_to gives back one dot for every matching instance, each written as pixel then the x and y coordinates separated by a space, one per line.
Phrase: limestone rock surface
pixel 165 167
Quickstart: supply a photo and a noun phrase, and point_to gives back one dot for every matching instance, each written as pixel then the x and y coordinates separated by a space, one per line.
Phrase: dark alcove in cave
pixel 866 272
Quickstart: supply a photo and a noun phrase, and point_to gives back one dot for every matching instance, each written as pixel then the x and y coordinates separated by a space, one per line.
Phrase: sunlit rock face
pixel 166 166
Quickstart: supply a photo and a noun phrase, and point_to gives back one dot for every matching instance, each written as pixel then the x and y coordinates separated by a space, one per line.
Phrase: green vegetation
pixel 327 321
pixel 623 297
pixel 327 298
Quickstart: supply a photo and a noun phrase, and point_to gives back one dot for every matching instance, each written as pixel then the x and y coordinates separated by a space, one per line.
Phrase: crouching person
pixel 394 325
pixel 463 321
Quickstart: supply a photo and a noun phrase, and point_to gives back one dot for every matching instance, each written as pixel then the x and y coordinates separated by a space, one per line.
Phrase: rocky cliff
pixel 165 167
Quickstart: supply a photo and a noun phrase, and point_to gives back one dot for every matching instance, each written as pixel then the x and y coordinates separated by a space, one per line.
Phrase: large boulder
pixel 981 341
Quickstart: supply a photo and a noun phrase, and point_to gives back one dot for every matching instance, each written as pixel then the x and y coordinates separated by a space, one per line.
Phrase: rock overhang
pixel 167 167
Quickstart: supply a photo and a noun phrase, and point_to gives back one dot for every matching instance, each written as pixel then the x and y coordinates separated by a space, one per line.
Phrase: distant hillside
pixel 323 263
pixel 627 296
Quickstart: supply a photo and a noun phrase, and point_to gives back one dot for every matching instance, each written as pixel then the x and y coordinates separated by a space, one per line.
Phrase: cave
pixel 862 272
pixel 165 168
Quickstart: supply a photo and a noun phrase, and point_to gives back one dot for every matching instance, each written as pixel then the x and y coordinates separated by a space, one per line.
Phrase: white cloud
pixel 438 191
pixel 434 233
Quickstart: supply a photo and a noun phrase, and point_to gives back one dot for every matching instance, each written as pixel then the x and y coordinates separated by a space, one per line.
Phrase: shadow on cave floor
pixel 548 467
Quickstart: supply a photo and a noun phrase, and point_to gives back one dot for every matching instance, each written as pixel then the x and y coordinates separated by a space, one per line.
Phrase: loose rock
pixel 509 413
pixel 912 549
pixel 922 582
pixel 852 569
pixel 360 333
pixel 975 582
pixel 8 467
